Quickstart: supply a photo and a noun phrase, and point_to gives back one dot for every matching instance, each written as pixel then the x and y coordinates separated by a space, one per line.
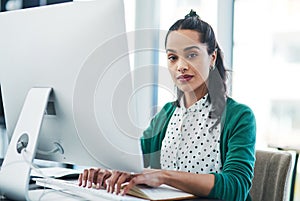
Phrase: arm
pixel 197 184
pixel 238 154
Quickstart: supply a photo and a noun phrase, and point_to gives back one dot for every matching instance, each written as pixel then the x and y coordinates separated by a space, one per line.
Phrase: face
pixel 188 60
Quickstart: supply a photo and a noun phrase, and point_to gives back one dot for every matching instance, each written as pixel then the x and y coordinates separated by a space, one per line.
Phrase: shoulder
pixel 236 109
pixel 169 106
pixel 167 109
pixel 161 117
pixel 234 106
pixel 237 114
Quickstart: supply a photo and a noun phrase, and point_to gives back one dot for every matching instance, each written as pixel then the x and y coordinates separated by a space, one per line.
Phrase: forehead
pixel 182 38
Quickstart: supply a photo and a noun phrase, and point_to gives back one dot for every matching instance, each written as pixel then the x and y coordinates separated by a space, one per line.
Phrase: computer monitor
pixel 71 59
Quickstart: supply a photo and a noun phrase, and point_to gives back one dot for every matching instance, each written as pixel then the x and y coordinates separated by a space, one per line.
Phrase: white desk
pixel 50 195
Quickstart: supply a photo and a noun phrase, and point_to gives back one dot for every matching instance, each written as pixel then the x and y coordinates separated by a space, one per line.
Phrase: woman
pixel 203 143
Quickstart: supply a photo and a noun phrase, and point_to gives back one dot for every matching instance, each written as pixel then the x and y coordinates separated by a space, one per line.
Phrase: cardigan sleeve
pixel 238 154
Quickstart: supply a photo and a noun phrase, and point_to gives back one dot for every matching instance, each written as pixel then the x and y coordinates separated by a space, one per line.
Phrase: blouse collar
pixel 199 105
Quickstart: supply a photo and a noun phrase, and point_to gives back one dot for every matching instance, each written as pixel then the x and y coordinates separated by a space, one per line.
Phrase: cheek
pixel 203 72
pixel 172 72
pixel 172 68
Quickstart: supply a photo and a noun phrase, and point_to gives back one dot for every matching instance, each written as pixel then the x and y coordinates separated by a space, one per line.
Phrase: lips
pixel 184 78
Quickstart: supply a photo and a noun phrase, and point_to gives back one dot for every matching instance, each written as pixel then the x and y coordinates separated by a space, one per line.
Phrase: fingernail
pixel 89 184
pixel 98 186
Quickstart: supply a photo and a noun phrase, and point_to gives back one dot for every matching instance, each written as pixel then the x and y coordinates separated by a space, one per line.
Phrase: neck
pixel 192 97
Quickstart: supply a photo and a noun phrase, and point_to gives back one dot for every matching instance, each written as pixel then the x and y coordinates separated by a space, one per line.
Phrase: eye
pixel 192 55
pixel 172 57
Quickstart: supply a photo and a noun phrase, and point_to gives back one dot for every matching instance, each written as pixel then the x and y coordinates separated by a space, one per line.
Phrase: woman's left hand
pixel 149 177
pixel 117 178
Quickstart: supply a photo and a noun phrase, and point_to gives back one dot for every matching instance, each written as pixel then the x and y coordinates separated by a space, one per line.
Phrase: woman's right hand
pixel 92 176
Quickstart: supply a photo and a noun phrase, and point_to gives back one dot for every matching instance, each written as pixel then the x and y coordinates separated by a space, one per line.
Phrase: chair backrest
pixel 272 174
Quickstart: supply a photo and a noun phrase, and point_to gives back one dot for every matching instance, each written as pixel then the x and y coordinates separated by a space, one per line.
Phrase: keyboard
pixel 71 187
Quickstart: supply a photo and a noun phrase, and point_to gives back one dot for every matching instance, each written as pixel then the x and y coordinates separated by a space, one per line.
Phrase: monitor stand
pixel 15 171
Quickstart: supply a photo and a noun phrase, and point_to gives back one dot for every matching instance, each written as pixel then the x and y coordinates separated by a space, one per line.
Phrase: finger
pixel 107 175
pixel 80 179
pixel 99 179
pixel 95 178
pixel 84 177
pixel 112 181
pixel 123 178
pixel 107 183
pixel 90 180
pixel 133 182
pixel 102 177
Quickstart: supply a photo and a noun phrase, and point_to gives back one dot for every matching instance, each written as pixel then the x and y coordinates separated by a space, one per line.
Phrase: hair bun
pixel 191 14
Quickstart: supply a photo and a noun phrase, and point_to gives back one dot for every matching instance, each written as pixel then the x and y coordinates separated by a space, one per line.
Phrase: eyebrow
pixel 185 49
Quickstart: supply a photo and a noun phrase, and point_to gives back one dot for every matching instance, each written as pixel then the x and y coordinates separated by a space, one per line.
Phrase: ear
pixel 213 58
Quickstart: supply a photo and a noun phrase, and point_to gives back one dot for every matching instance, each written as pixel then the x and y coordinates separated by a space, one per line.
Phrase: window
pixel 266 66
pixel 266 69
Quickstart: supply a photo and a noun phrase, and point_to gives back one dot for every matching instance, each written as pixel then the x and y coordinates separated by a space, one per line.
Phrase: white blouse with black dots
pixel 189 145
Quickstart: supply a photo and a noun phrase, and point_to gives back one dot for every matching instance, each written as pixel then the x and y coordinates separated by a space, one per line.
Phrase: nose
pixel 182 65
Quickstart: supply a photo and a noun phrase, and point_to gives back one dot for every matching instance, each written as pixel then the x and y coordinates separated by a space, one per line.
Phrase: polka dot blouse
pixel 189 144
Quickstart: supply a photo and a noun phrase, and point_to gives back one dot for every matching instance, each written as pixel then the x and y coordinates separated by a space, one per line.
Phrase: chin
pixel 186 89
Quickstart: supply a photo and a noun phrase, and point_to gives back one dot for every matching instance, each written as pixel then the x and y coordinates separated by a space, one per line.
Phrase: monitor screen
pixel 79 49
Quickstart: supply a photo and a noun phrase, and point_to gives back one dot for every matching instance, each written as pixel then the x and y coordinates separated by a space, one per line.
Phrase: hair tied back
pixel 192 14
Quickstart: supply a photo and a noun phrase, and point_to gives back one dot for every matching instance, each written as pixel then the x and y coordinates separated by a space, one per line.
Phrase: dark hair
pixel 217 76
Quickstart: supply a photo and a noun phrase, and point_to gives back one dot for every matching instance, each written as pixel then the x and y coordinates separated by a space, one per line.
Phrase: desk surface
pixel 50 195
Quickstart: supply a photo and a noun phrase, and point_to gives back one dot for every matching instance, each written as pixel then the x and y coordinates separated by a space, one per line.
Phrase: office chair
pixel 272 174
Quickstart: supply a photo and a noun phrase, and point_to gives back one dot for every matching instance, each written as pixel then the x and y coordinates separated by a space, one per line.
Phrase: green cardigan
pixel 237 145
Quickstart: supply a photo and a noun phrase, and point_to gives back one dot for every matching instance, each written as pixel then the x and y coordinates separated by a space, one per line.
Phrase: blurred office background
pixel 261 43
